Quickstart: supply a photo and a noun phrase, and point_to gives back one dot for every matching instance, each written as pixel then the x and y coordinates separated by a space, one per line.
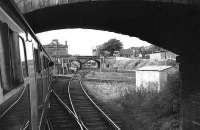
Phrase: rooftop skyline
pixel 82 41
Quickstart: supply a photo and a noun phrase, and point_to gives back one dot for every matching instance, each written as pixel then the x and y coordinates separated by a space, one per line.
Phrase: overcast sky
pixel 81 41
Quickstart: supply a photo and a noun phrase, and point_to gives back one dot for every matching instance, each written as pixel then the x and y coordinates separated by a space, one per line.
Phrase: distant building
pixel 127 52
pixel 56 49
pixel 96 51
pixel 133 52
pixel 137 51
pixel 163 55
pixel 152 78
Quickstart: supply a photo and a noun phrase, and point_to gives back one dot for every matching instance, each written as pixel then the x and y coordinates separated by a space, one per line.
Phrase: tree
pixel 108 48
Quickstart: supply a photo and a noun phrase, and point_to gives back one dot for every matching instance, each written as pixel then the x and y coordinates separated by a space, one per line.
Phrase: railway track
pixel 60 88
pixel 113 115
pixel 69 94
pixel 60 115
pixel 91 116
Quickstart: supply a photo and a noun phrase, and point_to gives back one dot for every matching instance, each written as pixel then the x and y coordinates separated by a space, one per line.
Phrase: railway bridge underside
pixel 68 61
pixel 85 59
pixel 173 25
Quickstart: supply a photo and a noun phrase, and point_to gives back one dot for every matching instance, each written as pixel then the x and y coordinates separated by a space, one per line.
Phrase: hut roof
pixel 154 68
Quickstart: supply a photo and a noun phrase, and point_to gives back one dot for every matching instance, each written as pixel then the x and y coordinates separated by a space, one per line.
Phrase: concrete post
pixel 190 93
pixel 81 65
pixel 101 63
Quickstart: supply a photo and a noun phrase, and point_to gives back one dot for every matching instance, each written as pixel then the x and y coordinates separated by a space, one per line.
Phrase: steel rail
pixel 68 89
pixel 25 126
pixel 45 101
pixel 14 103
pixel 44 110
pixel 61 102
pixel 68 109
pixel 49 125
pixel 99 109
pixel 70 97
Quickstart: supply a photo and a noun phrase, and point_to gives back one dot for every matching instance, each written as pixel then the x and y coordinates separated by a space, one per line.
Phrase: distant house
pixel 152 78
pixel 127 52
pixel 163 55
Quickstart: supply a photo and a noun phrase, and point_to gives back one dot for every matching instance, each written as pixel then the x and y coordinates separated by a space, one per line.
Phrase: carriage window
pixel 23 55
pixel 1 91
pixel 15 55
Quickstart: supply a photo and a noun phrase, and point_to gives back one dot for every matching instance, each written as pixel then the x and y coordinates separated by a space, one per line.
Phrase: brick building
pixel 56 49
pixel 165 55
pixel 127 52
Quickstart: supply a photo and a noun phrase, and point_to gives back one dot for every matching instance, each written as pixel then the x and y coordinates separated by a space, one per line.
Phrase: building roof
pixel 154 68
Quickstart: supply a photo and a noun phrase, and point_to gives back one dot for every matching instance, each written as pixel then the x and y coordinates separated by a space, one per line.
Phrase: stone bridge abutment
pixel 190 92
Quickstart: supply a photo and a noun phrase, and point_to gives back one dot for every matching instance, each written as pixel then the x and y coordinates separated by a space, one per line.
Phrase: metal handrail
pixel 68 109
pixel 99 109
pixel 14 103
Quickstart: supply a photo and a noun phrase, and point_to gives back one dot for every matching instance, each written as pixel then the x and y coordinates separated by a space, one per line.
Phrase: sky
pixel 82 41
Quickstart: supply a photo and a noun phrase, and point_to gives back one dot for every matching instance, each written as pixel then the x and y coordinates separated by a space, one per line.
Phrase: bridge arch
pixel 170 26
pixel 97 61
pixel 73 63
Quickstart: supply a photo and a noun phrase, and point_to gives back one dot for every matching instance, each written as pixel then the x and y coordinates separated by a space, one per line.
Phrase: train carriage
pixel 25 73
pixel 28 93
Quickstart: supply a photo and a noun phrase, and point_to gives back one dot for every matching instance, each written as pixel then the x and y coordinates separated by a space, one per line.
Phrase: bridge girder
pixel 31 5
pixel 171 26
pixel 84 59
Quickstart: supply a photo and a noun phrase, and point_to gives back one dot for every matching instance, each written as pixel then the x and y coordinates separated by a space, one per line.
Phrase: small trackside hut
pixel 152 78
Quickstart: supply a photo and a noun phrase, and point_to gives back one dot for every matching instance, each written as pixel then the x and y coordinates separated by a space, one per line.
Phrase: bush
pixel 155 111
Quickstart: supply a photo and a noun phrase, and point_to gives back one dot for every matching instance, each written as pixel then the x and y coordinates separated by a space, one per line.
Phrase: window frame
pixel 25 57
